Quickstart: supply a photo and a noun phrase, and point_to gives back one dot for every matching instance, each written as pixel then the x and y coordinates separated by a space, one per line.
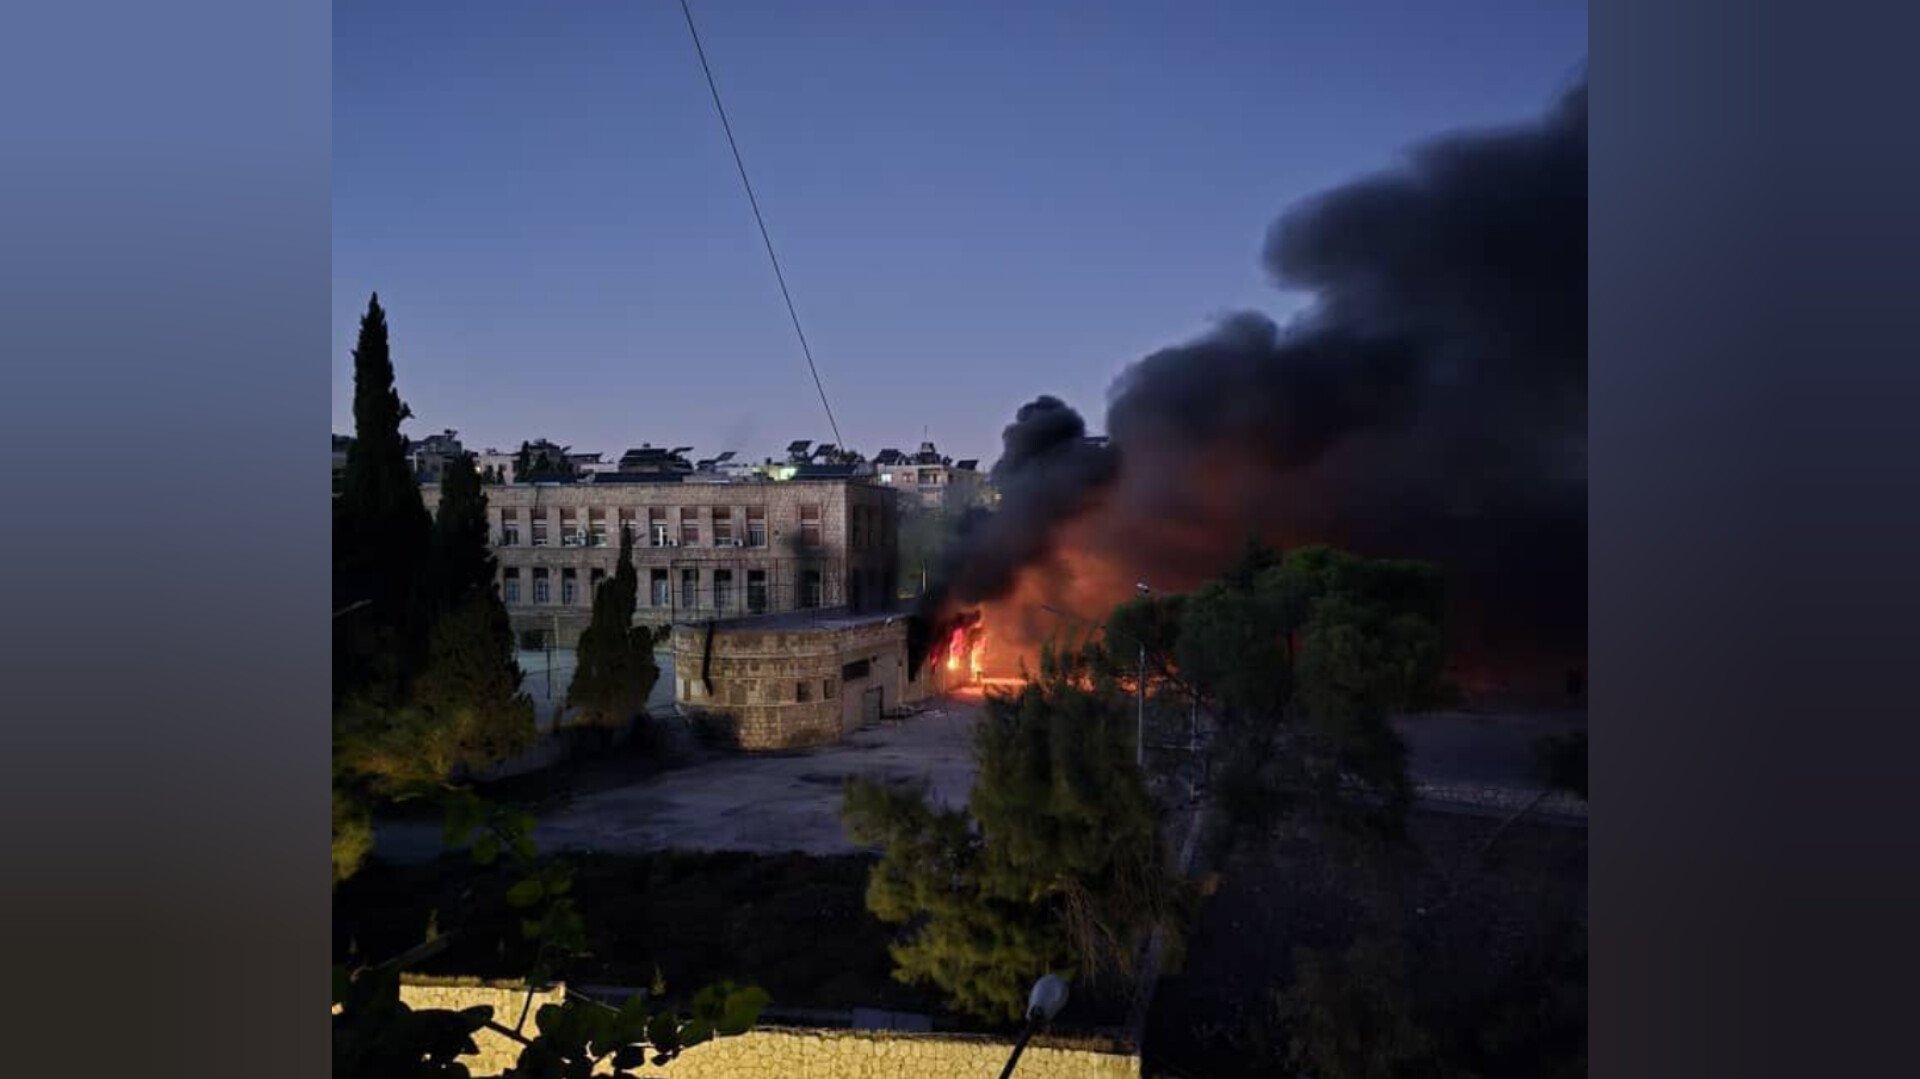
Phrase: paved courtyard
pixel 762 803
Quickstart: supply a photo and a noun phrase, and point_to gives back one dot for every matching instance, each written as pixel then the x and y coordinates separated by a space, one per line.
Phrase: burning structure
pixel 1430 402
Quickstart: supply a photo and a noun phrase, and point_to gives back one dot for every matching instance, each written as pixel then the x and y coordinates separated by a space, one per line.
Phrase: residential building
pixel 341 443
pixel 654 460
pixel 934 481
pixel 431 455
pixel 703 551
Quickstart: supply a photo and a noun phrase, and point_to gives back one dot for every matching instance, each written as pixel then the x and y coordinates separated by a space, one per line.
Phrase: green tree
pixel 1303 659
pixel 425 684
pixel 1056 864
pixel 616 669
pixel 1355 1015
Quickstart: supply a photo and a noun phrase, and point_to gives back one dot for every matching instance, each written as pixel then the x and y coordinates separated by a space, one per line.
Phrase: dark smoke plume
pixel 1431 401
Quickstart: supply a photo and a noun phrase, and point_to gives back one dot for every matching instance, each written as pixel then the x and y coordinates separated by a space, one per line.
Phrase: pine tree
pixel 616 669
pixel 1055 864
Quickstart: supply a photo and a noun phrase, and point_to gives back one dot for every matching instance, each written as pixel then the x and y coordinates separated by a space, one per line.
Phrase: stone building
pixel 799 678
pixel 703 551
pixel 936 482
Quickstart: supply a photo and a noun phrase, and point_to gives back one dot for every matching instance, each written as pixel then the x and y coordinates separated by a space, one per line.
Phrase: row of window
pixel 722 596
pixel 658 532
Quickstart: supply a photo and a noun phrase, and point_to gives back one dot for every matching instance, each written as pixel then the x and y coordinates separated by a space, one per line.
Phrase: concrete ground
pixel 1481 747
pixel 762 803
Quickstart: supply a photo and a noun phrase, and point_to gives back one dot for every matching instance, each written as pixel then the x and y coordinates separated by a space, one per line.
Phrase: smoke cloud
pixel 1430 402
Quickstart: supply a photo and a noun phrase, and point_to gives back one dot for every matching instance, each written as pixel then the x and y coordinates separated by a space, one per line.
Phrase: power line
pixel 762 222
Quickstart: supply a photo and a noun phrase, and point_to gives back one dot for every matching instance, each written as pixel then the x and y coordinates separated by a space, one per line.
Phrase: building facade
pixel 431 455
pixel 935 482
pixel 703 551
pixel 804 678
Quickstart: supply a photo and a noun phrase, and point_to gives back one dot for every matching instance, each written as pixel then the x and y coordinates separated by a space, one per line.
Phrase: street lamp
pixel 1048 997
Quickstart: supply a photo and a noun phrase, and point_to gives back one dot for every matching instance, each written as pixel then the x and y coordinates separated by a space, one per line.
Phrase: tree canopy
pixel 1055 865
pixel 425 683
pixel 616 669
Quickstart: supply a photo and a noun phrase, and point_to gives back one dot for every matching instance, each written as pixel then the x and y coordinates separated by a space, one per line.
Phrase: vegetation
pixel 616 668
pixel 424 680
pixel 375 1034
pixel 1302 659
pixel 1055 864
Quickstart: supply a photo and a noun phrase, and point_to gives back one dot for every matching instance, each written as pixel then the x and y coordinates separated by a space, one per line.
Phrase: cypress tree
pixel 381 535
pixel 616 670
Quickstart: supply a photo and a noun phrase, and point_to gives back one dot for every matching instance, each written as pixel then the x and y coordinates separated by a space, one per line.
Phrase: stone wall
pixel 759 675
pixel 793 1053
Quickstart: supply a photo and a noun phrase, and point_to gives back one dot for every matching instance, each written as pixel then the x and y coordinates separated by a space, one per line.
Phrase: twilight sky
pixel 975 201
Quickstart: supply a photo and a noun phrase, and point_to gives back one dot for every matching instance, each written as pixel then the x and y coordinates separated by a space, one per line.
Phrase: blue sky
pixel 975 201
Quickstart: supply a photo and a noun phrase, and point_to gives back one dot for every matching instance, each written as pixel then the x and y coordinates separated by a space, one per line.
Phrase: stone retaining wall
pixel 1502 798
pixel 796 1053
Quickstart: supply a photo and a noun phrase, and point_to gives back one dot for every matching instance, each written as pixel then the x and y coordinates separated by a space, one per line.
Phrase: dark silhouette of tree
pixel 616 669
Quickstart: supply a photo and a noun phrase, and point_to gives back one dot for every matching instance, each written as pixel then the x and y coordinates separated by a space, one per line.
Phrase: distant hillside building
pixel 936 482
pixel 431 455
pixel 341 444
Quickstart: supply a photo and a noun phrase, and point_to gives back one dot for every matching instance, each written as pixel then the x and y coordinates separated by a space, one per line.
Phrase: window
pixel 509 528
pixel 809 526
pixel 756 590
pixel 569 588
pixel 657 527
pixel 512 589
pixel 570 529
pixel 629 526
pixel 723 589
pixel 540 592
pixel 810 588
pixel 756 526
pixel 802 692
pixel 539 530
pixel 659 594
pixel 689 526
pixel 856 670
pixel 689 588
pixel 723 527
pixel 597 519
pixel 827 689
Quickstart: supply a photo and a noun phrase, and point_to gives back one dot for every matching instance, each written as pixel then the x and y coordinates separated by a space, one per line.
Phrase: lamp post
pixel 1048 997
